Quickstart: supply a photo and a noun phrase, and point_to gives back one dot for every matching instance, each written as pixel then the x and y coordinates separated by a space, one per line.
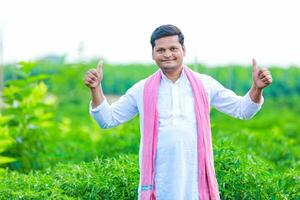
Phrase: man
pixel 176 159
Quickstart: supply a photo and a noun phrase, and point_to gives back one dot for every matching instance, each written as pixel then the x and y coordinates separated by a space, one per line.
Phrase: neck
pixel 173 75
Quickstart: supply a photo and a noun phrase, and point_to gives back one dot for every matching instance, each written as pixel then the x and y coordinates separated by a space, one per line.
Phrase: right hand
pixel 93 77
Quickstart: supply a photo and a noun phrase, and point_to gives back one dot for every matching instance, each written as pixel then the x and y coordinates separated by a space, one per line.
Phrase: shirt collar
pixel 181 77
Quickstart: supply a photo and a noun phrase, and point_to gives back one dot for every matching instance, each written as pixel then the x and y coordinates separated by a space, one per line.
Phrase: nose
pixel 168 54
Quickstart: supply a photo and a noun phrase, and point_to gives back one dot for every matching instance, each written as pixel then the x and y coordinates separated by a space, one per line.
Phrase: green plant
pixel 111 178
pixel 5 141
pixel 28 109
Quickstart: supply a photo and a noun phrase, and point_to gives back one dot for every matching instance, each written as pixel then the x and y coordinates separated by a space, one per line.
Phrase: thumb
pixel 99 65
pixel 254 65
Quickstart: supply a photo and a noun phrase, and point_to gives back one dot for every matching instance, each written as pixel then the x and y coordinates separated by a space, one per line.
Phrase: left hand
pixel 261 76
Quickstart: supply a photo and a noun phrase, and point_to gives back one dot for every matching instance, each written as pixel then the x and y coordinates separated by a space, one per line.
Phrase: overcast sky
pixel 216 31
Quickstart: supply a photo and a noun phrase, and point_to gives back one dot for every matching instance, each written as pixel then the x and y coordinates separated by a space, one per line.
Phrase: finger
pixel 271 80
pixel 92 77
pixel 264 79
pixel 94 72
pixel 87 83
pixel 263 74
pixel 100 65
pixel 88 80
pixel 260 72
pixel 267 80
pixel 254 65
pixel 263 69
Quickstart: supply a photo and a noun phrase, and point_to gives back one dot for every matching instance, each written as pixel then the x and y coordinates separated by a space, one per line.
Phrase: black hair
pixel 164 31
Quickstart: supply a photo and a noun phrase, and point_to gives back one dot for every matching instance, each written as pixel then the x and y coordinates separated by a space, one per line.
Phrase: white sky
pixel 216 31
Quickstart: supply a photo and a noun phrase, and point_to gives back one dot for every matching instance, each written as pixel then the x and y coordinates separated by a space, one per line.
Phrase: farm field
pixel 50 148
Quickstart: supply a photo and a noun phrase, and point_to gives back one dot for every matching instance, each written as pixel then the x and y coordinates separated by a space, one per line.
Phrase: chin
pixel 167 67
pixel 170 66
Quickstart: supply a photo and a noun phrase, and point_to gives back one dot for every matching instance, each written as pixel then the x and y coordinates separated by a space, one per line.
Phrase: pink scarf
pixel 207 183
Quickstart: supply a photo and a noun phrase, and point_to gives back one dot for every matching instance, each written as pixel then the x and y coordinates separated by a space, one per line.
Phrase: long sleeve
pixel 226 101
pixel 124 109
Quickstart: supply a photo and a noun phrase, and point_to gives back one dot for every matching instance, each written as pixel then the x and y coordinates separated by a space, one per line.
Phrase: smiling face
pixel 168 54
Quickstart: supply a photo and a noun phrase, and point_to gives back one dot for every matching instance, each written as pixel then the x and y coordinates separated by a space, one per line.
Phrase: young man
pixel 176 157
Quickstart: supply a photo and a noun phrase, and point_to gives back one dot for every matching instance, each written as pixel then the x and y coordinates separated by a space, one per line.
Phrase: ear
pixel 183 49
pixel 152 54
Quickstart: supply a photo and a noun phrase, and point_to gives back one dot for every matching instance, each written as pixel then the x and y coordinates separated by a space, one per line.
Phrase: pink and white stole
pixel 207 182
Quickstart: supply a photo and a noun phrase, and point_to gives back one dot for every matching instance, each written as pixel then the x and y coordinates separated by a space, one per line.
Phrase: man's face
pixel 168 53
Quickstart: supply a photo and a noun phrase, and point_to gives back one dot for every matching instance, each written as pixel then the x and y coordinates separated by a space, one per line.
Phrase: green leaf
pixel 5 160
pixel 26 66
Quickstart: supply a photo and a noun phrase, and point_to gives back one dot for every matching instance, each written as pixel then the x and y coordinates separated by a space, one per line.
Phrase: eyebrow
pixel 167 48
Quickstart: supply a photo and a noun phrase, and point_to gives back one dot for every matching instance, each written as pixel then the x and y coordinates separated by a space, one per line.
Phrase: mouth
pixel 167 60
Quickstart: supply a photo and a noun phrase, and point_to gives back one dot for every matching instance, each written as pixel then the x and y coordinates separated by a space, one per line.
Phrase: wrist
pixel 95 89
pixel 256 88
pixel 255 93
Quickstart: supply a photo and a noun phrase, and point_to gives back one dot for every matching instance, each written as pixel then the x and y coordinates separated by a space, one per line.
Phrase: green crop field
pixel 50 148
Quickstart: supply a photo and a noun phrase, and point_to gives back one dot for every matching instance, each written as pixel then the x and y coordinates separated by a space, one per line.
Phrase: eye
pixel 174 49
pixel 160 50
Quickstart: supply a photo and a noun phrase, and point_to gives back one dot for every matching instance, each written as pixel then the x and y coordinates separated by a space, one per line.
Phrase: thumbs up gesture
pixel 93 77
pixel 261 76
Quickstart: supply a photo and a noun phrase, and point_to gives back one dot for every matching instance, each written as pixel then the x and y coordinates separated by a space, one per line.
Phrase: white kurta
pixel 176 165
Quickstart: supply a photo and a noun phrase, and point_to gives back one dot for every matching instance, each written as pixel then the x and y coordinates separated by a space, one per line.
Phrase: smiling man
pixel 176 156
